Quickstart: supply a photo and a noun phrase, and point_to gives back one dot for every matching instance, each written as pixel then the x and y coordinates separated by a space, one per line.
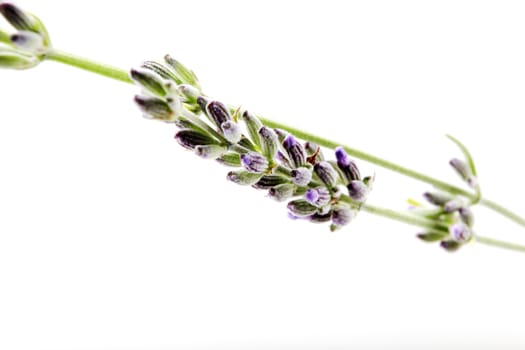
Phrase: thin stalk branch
pixel 406 218
pixel 500 244
pixel 89 65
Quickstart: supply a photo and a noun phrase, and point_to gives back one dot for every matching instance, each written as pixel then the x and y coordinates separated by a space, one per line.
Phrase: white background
pixel 114 237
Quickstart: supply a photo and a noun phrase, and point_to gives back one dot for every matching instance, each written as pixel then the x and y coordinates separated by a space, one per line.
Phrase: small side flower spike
pixel 451 210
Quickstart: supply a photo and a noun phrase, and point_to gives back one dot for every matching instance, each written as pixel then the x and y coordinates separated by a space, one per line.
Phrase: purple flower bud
pixel 460 167
pixel 326 173
pixel 232 159
pixel 190 93
pixel 242 177
pixel 320 218
pixel 460 232
pixel 203 101
pixel 439 199
pixel 341 156
pixel 183 74
pixel 209 151
pixel 191 138
pixel 464 172
pixel 281 134
pixel 295 151
pixel 452 205
pixel 281 158
pixel 269 181
pixel 269 142
pixel 281 192
pixel 346 165
pixel 254 162
pixel 175 105
pixel 231 131
pixel 431 236
pixel 312 195
pixel 246 143
pixel 301 176
pixel 319 196
pixel 160 69
pixel 253 124
pixel 450 246
pixel 29 41
pixel 154 108
pixel 183 123
pixel 17 17
pixel 466 216
pixel 13 59
pixel 218 112
pixel 341 216
pixel 357 190
pixel 301 208
pixel 149 81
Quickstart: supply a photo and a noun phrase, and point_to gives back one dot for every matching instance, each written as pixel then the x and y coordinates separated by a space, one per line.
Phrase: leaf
pixel 431 236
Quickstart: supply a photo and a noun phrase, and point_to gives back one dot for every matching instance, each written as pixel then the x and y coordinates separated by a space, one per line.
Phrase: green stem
pixel 500 244
pixel 503 211
pixel 122 75
pixel 407 218
pixel 89 65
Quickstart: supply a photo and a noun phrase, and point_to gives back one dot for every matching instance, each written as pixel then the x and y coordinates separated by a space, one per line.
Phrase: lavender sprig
pixel 317 189
pixel 285 161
